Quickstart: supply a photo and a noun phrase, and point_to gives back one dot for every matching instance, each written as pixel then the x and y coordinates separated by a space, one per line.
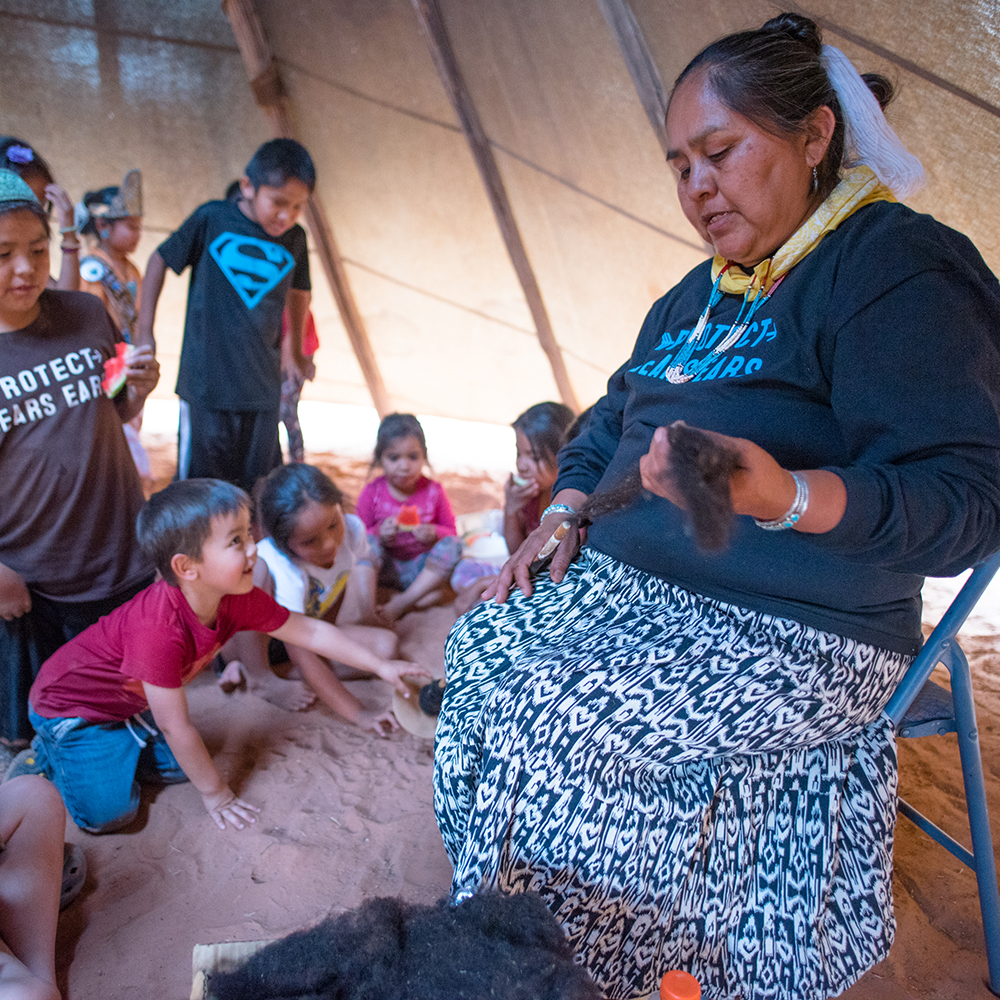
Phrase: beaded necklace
pixel 676 373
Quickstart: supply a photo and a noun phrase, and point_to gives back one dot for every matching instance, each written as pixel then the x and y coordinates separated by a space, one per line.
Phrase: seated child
pixel 409 519
pixel 109 707
pixel 320 564
pixel 540 431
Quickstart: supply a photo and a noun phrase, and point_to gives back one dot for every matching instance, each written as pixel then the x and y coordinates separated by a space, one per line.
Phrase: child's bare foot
pixel 389 613
pixel 292 696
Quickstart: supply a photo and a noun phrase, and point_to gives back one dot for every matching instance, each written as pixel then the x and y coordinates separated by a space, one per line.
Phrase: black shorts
pixel 27 642
pixel 238 446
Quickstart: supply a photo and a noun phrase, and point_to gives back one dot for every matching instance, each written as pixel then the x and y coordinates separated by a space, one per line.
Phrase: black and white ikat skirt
pixel 686 783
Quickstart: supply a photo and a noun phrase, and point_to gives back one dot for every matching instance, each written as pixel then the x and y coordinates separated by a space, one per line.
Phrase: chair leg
pixel 979 820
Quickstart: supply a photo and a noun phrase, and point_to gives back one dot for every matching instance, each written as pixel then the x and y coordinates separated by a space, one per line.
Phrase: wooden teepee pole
pixel 639 62
pixel 443 54
pixel 269 92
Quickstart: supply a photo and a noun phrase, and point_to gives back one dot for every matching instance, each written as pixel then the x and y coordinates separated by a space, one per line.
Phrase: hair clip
pixel 20 154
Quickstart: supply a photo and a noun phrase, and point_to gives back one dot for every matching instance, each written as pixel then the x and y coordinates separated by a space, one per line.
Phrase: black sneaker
pixel 26 762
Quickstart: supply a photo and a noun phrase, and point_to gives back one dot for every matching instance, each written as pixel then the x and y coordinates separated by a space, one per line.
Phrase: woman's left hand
pixel 760 487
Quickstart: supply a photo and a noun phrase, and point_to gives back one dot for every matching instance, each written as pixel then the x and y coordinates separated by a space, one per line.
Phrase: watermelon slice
pixel 114 370
pixel 408 518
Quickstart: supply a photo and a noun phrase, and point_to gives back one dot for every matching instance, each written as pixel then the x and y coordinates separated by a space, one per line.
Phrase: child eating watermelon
pixel 409 520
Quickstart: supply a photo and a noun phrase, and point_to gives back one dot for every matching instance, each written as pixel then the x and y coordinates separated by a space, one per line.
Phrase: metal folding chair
pixel 920 707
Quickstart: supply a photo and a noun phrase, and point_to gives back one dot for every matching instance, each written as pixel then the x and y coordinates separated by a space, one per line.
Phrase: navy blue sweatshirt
pixel 878 358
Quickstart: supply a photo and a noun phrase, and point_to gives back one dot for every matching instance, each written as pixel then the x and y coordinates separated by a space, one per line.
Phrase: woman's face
pixel 318 533
pixel 533 466
pixel 403 463
pixel 745 191
pixel 24 268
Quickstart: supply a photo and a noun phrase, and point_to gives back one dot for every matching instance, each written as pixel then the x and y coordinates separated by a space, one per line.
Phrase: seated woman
pixel 683 753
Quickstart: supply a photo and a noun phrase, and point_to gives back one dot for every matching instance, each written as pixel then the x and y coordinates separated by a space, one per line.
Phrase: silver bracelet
pixel 791 516
pixel 556 508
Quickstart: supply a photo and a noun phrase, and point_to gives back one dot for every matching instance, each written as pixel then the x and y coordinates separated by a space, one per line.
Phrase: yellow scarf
pixel 857 188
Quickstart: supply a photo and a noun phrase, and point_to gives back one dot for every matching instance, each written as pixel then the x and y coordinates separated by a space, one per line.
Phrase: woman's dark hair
pixel 286 491
pixel 19 156
pixel 393 427
pixel 773 77
pixel 233 192
pixel 545 426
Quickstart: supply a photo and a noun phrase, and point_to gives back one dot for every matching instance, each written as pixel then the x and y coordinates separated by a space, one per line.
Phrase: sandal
pixel 26 762
pixel 74 874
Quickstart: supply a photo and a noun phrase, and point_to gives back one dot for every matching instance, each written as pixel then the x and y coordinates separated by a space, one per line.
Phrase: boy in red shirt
pixel 109 707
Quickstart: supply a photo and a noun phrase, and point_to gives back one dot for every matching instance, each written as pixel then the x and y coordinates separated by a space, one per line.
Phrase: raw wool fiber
pixel 491 945
pixel 699 469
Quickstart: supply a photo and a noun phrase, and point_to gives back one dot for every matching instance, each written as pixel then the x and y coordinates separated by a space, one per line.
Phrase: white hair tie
pixel 868 137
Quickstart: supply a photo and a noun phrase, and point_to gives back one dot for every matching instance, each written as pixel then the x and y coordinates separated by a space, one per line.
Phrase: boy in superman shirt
pixel 248 260
pixel 109 708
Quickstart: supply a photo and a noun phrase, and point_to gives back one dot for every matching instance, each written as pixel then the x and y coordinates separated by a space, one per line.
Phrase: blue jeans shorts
pixel 97 766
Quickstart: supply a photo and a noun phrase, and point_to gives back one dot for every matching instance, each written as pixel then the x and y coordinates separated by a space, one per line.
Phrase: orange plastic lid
pixel 677 985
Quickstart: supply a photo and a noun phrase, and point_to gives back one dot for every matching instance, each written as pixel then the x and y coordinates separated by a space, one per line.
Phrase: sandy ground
pixel 346 816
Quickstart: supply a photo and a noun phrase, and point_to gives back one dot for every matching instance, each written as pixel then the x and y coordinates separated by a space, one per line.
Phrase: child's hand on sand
pixel 225 807
pixel 388 529
pixel 380 723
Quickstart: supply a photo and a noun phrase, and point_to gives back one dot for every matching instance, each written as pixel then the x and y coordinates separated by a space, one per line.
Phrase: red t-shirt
pixel 156 638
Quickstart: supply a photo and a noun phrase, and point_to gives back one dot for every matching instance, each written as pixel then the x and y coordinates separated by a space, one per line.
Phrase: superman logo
pixel 253 267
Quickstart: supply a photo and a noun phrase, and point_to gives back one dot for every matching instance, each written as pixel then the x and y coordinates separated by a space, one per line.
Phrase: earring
pixel 815 180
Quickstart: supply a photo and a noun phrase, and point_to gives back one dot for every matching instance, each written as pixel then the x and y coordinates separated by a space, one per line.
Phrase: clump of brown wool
pixel 700 468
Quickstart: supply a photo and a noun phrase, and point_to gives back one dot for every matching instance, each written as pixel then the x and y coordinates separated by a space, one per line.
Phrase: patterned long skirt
pixel 687 784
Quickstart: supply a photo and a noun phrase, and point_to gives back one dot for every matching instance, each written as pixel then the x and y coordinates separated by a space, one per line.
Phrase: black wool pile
pixel 490 947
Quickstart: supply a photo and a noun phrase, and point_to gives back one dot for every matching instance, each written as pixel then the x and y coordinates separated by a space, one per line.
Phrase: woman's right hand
pixel 516 571
pixel 388 529
pixel 15 598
